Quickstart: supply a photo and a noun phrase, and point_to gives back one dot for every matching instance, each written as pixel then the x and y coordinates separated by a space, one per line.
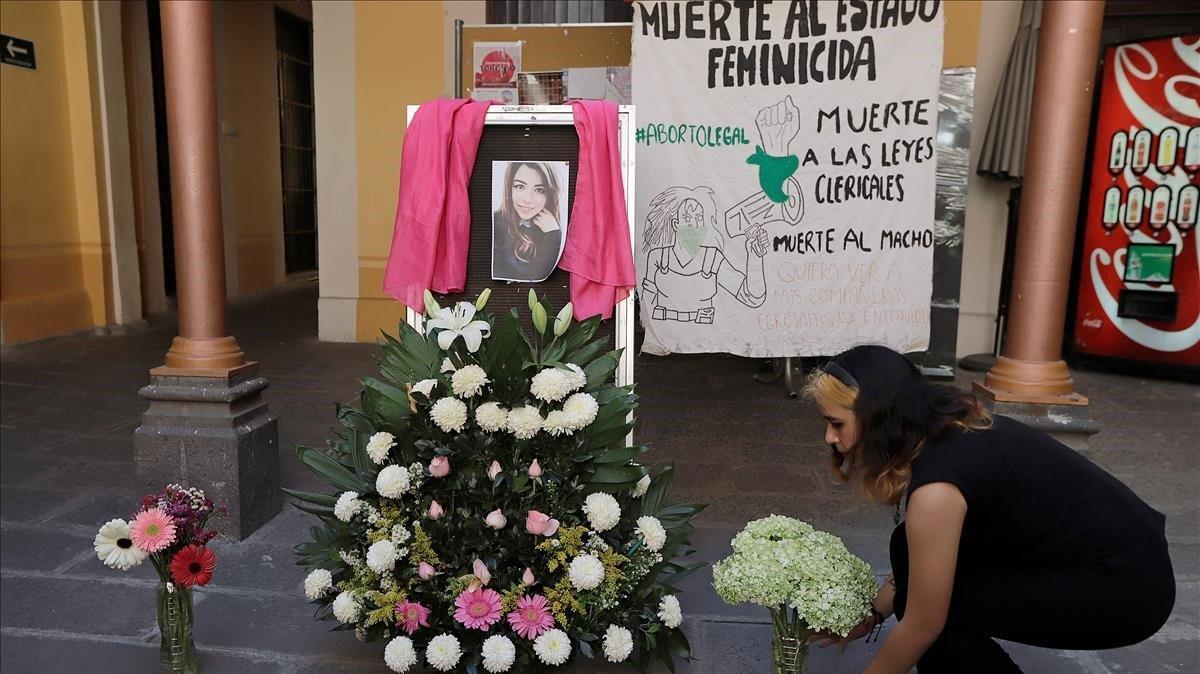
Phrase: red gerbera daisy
pixel 193 565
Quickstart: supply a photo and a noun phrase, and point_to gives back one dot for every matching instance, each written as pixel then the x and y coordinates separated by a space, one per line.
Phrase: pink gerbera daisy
pixel 478 608
pixel 411 615
pixel 531 617
pixel 152 530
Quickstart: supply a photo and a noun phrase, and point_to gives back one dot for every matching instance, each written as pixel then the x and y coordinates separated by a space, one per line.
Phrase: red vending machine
pixel 1138 295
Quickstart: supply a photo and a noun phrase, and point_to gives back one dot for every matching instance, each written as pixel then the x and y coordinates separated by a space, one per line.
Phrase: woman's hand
pixel 824 639
pixel 545 221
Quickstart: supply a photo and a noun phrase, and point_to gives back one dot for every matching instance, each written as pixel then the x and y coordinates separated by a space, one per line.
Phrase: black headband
pixel 841 374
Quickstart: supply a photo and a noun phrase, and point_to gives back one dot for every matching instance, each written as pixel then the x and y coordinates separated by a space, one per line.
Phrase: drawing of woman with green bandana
pixel 686 261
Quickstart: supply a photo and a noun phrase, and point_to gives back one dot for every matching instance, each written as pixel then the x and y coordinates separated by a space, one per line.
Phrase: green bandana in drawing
pixel 690 239
pixel 773 172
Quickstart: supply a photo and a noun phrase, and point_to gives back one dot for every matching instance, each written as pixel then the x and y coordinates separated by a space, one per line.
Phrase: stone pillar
pixel 207 425
pixel 1030 380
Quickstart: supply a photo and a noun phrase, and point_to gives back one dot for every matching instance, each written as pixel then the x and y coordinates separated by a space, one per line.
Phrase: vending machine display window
pixel 1191 156
pixel 1141 151
pixel 1149 263
pixel 1168 146
pixel 1185 211
pixel 1117 152
pixel 1134 205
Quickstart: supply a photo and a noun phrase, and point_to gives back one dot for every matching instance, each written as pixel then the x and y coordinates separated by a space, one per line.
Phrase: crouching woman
pixel 1008 534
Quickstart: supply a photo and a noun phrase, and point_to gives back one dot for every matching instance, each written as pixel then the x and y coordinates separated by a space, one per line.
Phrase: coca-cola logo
pixel 497 67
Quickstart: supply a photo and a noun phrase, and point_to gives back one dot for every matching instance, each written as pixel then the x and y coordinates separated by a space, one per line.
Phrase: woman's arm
pixel 934 525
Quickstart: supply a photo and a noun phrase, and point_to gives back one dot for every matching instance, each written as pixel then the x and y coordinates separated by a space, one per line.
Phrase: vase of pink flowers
pixel 169 529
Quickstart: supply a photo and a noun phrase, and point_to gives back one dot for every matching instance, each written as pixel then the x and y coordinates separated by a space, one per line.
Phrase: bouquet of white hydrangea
pixel 807 578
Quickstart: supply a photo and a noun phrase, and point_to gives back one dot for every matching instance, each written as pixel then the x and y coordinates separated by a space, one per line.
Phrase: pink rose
pixel 527 578
pixel 426 571
pixel 535 469
pixel 536 522
pixel 436 511
pixel 540 525
pixel 481 571
pixel 439 467
pixel 494 470
pixel 496 519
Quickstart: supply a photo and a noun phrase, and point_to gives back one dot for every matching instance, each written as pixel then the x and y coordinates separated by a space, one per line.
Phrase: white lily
pixel 457 322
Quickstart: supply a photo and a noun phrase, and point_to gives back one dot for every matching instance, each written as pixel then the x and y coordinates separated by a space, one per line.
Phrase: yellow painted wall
pixel 398 50
pixel 249 99
pixel 961 44
pixel 53 237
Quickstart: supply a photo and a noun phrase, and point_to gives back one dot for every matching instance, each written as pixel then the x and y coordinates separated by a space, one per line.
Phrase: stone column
pixel 1030 380
pixel 207 425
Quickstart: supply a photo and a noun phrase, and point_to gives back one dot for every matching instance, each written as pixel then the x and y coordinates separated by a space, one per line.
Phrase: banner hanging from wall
pixel 786 168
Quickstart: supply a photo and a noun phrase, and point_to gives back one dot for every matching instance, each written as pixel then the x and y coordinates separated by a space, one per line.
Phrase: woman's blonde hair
pixel 897 413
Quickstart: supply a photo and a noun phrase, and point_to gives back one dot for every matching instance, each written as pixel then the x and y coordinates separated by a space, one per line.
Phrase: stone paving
pixel 68 408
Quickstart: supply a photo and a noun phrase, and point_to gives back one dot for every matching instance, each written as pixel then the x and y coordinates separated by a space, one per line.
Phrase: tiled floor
pixel 68 408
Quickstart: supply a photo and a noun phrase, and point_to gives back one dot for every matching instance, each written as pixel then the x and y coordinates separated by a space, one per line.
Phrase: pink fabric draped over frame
pixel 433 217
pixel 598 252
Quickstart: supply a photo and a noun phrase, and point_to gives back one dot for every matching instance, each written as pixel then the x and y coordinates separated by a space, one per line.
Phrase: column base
pixel 1044 381
pixel 216 433
pixel 200 353
pixel 1067 419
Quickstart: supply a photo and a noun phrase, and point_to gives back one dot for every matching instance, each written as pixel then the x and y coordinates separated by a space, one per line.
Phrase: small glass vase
pixel 789 641
pixel 176 650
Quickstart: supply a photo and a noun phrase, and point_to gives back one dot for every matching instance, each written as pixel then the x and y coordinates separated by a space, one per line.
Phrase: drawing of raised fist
pixel 777 126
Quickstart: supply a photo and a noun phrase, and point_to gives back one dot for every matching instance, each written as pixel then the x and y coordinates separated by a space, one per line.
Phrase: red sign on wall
pixel 1140 231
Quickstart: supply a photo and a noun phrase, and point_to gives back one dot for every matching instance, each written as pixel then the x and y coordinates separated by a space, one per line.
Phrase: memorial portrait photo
pixel 529 219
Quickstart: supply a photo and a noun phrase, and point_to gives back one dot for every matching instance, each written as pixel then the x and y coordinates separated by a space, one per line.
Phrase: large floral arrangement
pixel 487 511
pixel 806 577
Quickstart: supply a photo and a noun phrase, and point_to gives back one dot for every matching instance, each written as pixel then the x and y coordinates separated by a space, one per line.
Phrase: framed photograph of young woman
pixel 529 219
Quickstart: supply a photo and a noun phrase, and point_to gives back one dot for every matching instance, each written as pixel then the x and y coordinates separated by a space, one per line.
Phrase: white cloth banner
pixel 785 178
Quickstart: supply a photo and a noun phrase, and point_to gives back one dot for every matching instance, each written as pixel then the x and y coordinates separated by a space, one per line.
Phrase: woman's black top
pixel 505 263
pixel 1032 501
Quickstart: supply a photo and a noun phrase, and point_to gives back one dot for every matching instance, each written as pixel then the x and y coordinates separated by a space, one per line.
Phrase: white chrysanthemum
pixel 115 548
pixel 347 506
pixel 450 414
pixel 382 556
pixel 491 417
pixel 392 481
pixel 553 647
pixel 346 608
pixel 317 584
pixel 602 510
pixel 400 655
pixel 499 653
pixel 586 572
pixel 551 384
pixel 443 652
pixel 379 445
pixel 558 423
pixel 524 422
pixel 652 532
pixel 642 486
pixel 618 643
pixel 447 365
pixel 425 386
pixel 581 409
pixel 577 377
pixel 468 381
pixel 669 611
